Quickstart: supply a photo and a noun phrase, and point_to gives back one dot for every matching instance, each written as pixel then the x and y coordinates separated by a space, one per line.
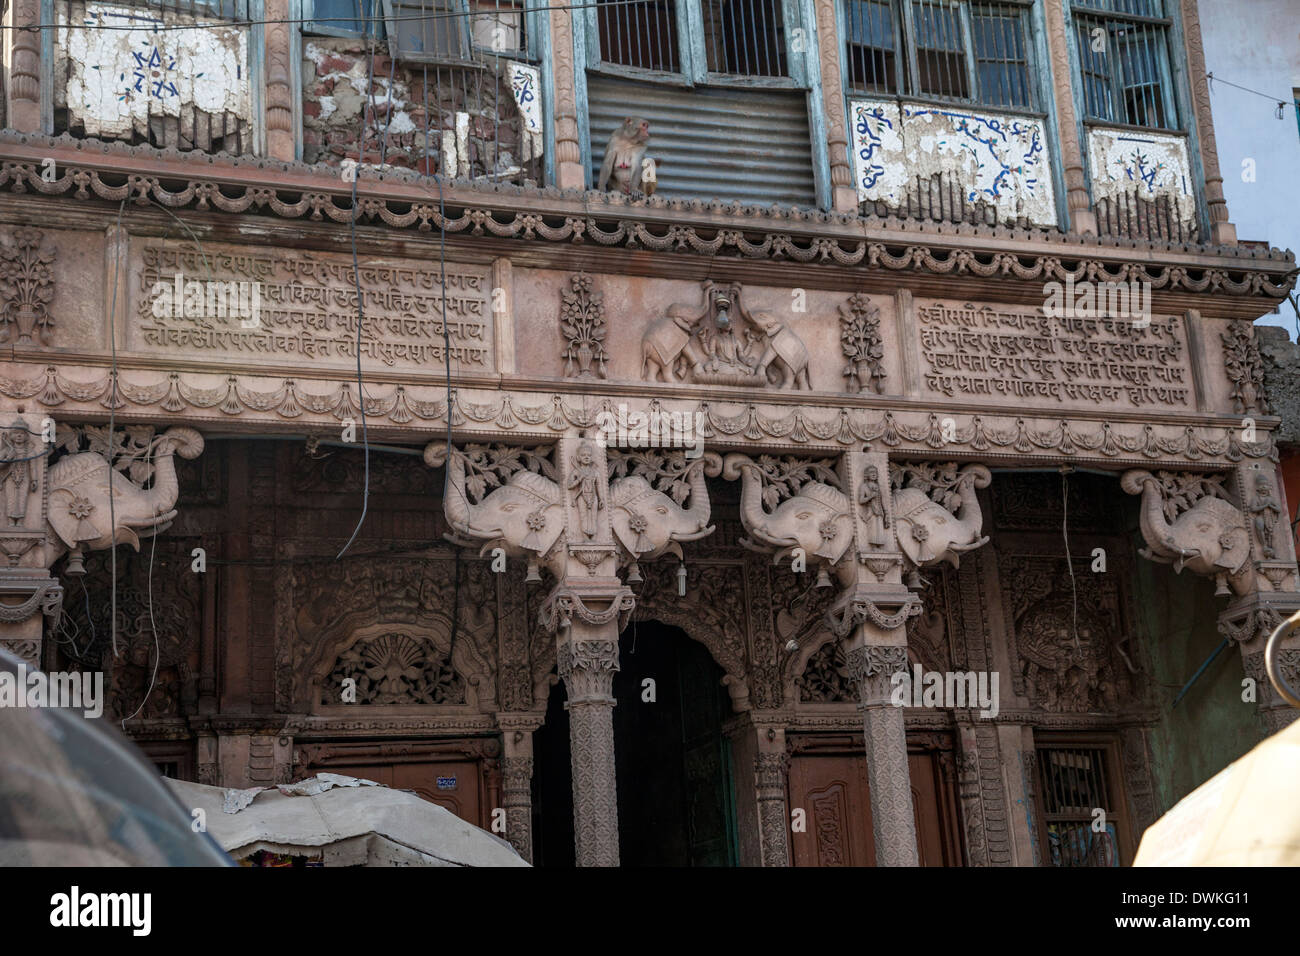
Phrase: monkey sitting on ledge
pixel 626 163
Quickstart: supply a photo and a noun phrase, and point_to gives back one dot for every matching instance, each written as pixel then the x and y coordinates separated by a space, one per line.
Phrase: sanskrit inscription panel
pixel 1018 355
pixel 280 308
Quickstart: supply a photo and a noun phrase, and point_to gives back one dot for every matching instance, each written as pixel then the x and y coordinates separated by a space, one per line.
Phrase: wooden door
pixel 832 791
pixel 454 784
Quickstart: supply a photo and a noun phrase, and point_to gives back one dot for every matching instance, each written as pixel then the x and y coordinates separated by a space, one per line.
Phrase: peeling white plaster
pixel 525 83
pixel 999 159
pixel 327 106
pixel 1148 165
pixel 119 79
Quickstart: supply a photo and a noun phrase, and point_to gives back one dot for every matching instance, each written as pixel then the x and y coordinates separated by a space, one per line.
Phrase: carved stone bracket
pixel 886 609
pixel 567 601
pixel 1188 522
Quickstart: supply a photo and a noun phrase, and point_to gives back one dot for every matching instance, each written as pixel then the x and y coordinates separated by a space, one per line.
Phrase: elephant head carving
pixel 818 519
pixel 80 511
pixel 525 516
pixel 649 524
pixel 1210 538
pixel 928 533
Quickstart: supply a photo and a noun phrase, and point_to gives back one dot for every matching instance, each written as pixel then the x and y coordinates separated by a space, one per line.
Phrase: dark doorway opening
pixel 676 798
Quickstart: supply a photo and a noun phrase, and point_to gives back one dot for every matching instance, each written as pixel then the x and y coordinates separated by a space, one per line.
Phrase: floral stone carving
pixel 1245 368
pixel 582 321
pixel 862 345
pixel 26 288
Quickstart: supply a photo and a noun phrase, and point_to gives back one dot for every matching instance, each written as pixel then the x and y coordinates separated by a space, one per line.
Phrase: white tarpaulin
pixel 349 822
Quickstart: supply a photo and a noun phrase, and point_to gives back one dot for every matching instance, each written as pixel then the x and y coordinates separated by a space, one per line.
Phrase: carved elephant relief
pixel 1211 538
pixel 928 533
pixel 818 519
pixel 648 523
pixel 80 510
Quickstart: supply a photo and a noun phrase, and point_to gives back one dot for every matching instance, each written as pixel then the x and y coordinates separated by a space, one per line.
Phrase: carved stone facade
pixel 824 445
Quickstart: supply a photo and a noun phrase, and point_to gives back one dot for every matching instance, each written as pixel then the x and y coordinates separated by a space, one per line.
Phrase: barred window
pixel 441 30
pixel 1079 800
pixel 344 18
pixel 739 37
pixel 963 50
pixel 1123 48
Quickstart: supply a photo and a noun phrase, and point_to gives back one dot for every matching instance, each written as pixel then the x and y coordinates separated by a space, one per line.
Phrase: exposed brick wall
pixel 334 100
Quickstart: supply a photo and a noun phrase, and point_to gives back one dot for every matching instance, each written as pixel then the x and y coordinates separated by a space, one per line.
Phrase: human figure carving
pixel 1266 511
pixel 586 484
pixel 625 159
pixel 17 476
pixel 873 506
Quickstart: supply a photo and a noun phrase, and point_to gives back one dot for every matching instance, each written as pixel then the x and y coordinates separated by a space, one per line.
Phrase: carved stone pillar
pixel 771 764
pixel 1222 232
pixel 587 661
pixel 28 593
pixel 871 665
pixel 569 171
pixel 1082 218
pixel 844 195
pixel 24 86
pixel 517 779
pixel 279 96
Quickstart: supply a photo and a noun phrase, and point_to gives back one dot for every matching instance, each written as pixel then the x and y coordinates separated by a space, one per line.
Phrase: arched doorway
pixel 676 798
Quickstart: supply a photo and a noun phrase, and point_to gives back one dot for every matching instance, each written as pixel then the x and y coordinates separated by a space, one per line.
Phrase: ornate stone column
pixel 844 195
pixel 587 663
pixel 771 765
pixel 517 779
pixel 560 520
pixel 1082 218
pixel 1222 232
pixel 569 172
pixel 280 133
pixel 871 665
pixel 24 86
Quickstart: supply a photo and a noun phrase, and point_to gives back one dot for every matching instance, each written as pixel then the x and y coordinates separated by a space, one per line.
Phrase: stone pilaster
pixel 771 764
pixel 24 81
pixel 569 173
pixel 29 595
pixel 844 195
pixel 1082 218
pixel 871 665
pixel 1222 232
pixel 517 779
pixel 280 126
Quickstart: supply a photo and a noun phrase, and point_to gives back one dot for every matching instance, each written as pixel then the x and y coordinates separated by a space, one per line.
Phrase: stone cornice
pixel 831 422
pixel 908 252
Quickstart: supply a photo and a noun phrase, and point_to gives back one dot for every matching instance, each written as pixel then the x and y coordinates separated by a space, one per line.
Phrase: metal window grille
pixel 953 49
pixel 189 128
pixel 639 35
pixel 1075 782
pixel 428 30
pixel 344 18
pixel 744 37
pixel 940 49
pixel 875 57
pixel 1123 48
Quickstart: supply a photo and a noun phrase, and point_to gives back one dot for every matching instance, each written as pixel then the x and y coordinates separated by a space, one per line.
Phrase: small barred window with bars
pixel 1124 70
pixel 962 50
pixel 1079 803
pixel 739 37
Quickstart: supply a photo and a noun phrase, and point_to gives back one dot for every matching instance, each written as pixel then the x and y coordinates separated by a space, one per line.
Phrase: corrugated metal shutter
pixel 751 145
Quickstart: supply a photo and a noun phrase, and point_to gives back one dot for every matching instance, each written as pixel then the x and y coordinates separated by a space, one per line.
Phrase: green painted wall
pixel 1211 726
